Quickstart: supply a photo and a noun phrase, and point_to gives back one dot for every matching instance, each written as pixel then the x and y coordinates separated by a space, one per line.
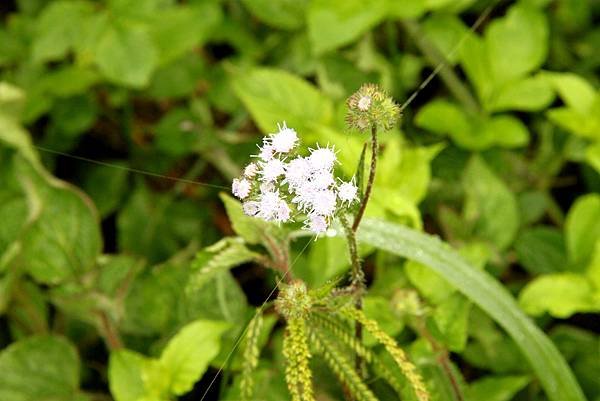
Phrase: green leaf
pixel 125 375
pixel 126 55
pixel 584 125
pixel 452 318
pixel 517 44
pixel 496 388
pixel 12 99
pixel 550 367
pixel 592 155
pixel 577 93
pixel 561 295
pixel 445 31
pixel 490 204
pixel 443 117
pixel 527 94
pixel 15 136
pixel 542 250
pixel 274 96
pixel 477 66
pixel 332 24
pixel 64 242
pixel 582 229
pixel 106 186
pixel 327 259
pixel 157 225
pixel 39 368
pixel 58 29
pixel 283 14
pixel 178 30
pixel 188 354
pixel 429 283
pixel 380 309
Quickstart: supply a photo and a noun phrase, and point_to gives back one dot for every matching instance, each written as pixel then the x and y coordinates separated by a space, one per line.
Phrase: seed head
pixel 370 107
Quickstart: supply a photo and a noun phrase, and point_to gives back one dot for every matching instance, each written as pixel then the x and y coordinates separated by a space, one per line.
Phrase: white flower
pixel 251 208
pixel 297 172
pixel 272 169
pixel 347 192
pixel 240 188
pixel 322 158
pixel 283 211
pixel 269 204
pixel 250 170
pixel 316 223
pixel 364 103
pixel 322 179
pixel 266 152
pixel 284 140
pixel 324 202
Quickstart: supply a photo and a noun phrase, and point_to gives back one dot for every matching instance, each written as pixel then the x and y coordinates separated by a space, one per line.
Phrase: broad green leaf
pixel 561 295
pixel 126 55
pixel 490 204
pixel 69 80
pixel 542 250
pixel 452 317
pixel 125 375
pixel 332 24
pixel 178 30
pixel 592 155
pixel 433 286
pixel 506 131
pixel 582 229
pixel 584 125
pixel 105 185
pixel 577 93
pixel 12 99
pixel 327 259
pixel 58 28
pixel 64 242
pixel 484 291
pixel 283 14
pixel 39 368
pixel 517 44
pixel 443 117
pixel 496 388
pixel 157 225
pixel 445 31
pixel 274 96
pixel 477 66
pixel 172 134
pixel 15 136
pixel 527 94
pixel 188 354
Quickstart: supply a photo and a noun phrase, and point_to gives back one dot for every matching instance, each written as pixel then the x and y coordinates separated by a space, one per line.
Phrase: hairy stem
pixel 442 359
pixel 435 58
pixel 372 170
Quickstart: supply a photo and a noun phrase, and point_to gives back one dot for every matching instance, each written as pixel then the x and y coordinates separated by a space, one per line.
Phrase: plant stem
pixel 365 199
pixel 436 59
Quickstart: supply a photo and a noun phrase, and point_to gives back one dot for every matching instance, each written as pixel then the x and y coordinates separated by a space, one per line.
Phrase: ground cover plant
pixel 299 200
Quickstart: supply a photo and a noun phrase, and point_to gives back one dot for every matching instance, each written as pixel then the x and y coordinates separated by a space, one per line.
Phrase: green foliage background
pixel 119 285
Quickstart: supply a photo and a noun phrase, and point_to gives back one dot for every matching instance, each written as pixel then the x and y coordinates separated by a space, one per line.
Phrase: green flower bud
pixel 371 107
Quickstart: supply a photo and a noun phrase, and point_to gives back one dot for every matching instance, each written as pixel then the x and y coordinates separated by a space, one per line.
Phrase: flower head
pixel 241 188
pixel 371 107
pixel 347 192
pixel 282 184
pixel 322 158
pixel 285 140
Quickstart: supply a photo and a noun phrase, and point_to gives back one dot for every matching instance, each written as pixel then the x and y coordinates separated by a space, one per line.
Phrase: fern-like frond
pixel 251 356
pixel 297 371
pixel 342 367
pixel 406 366
pixel 341 331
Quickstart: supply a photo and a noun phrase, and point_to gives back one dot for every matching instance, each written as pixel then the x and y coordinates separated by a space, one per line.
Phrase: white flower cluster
pixel 275 189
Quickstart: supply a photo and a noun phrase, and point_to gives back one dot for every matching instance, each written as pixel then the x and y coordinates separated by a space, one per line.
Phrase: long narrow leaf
pixel 481 288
